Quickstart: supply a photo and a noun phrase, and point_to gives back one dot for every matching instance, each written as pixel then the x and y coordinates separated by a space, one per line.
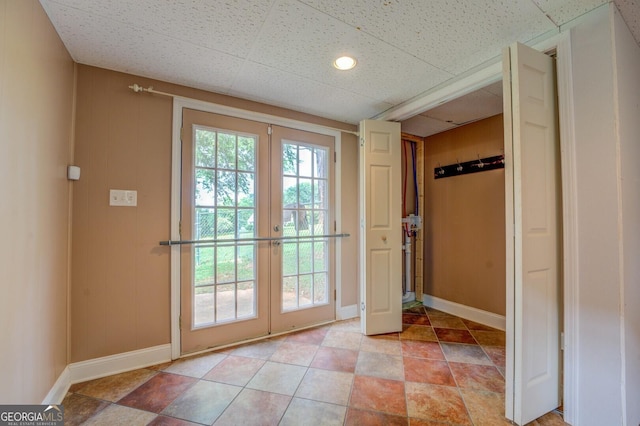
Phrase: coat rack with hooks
pixel 473 166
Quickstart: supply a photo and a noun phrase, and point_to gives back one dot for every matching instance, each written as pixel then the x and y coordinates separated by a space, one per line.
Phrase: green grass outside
pixel 299 262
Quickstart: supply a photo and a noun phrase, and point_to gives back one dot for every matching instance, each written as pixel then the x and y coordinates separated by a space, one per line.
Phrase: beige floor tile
pixel 306 412
pixel 326 386
pixel 120 415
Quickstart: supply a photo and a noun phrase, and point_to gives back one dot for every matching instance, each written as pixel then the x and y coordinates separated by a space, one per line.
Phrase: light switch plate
pixel 123 198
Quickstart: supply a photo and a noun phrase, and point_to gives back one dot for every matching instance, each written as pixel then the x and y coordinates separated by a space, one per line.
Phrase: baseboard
pixel 59 389
pixel 474 314
pixel 409 296
pixel 82 371
pixel 347 312
pixel 114 364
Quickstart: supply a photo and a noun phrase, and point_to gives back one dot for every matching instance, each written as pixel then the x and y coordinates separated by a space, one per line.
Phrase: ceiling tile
pixel 563 11
pixel 453 36
pixel 424 126
pixel 230 26
pixel 305 95
pixel 314 40
pixel 101 42
pixel 495 88
pixel 280 51
pixel 471 107
pixel 630 10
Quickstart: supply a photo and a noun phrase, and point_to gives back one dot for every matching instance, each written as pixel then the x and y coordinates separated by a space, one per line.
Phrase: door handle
pixel 277 243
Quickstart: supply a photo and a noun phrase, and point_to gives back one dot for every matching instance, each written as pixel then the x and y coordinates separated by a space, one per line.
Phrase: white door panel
pixel 380 209
pixel 533 284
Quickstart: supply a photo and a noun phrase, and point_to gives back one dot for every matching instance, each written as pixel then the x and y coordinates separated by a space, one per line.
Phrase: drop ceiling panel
pixel 563 11
pixel 424 126
pixel 630 10
pixel 305 95
pixel 453 36
pixel 230 26
pixel 102 42
pixel 280 51
pixel 314 40
pixel 495 88
pixel 471 107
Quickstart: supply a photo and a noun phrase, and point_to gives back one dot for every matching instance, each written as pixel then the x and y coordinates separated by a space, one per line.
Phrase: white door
pixel 533 234
pixel 381 227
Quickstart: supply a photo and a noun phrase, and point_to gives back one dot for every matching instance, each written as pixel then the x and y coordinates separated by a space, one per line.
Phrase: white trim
pixel 179 103
pixel 571 386
pixel 510 262
pixel 118 363
pixel 347 312
pixel 59 389
pixel 463 311
pixel 176 167
pixel 451 89
pixel 82 371
pixel 337 188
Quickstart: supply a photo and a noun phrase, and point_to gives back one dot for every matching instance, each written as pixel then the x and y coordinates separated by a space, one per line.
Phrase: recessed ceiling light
pixel 344 63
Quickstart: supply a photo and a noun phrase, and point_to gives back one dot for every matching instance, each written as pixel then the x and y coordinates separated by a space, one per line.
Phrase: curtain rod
pixel 137 88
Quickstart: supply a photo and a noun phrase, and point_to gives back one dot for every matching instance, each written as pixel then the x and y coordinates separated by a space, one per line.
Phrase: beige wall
pixel 464 219
pixel 36 92
pixel 350 219
pixel 120 275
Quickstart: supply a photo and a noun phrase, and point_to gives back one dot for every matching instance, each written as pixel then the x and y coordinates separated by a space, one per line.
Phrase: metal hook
pixel 480 163
pixel 459 168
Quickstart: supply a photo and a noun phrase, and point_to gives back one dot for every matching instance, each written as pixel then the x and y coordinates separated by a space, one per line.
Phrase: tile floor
pixel 440 370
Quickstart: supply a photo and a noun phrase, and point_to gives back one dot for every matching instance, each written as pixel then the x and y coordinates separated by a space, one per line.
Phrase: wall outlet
pixel 122 197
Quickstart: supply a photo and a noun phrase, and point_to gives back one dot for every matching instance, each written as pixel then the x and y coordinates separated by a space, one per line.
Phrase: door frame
pixel 179 103
pixel 492 73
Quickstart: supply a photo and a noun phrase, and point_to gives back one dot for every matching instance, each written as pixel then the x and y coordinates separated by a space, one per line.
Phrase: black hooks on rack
pixel 474 166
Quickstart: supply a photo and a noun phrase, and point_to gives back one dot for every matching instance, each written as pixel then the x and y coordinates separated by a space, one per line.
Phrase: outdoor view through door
pixel 256 204
pixel 304 212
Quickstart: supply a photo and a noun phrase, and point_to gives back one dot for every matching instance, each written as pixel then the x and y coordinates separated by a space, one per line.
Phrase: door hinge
pixel 269 129
pixel 180 229
pixel 361 141
pixel 335 157
pixel 335 226
pixel 562 340
pixel 335 294
pixel 362 306
pixel 180 322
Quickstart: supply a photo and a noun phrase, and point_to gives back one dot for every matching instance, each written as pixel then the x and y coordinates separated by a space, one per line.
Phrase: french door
pixel 302 196
pixel 256 202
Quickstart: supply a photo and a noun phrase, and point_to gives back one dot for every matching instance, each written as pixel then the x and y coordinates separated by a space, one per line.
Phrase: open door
pixel 381 223
pixel 533 218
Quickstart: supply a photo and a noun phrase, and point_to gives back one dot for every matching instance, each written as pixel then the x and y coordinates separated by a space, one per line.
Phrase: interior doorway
pixel 427 171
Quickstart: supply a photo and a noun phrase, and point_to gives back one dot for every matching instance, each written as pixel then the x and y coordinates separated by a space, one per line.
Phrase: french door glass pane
pixel 224 192
pixel 304 212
